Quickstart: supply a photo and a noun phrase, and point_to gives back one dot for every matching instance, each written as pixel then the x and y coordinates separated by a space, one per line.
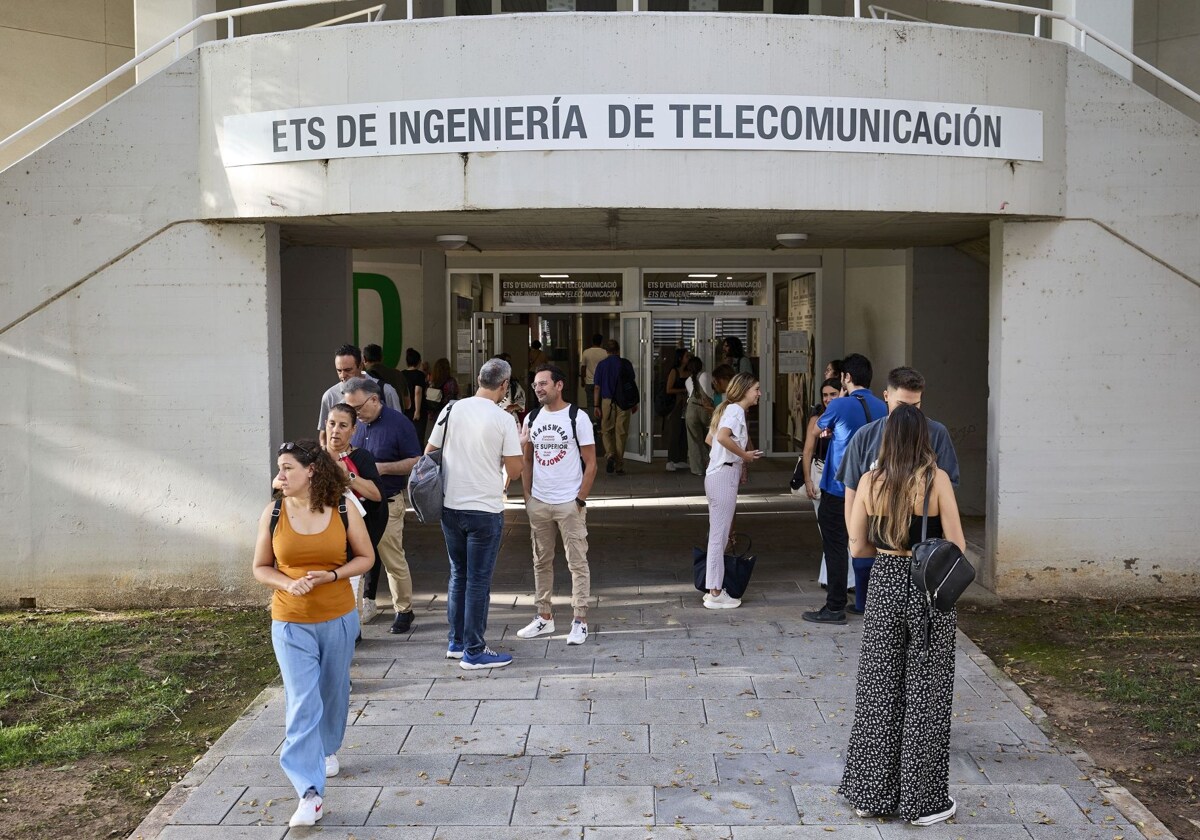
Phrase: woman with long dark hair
pixel 673 424
pixel 735 354
pixel 443 388
pixel 729 434
pixel 698 413
pixel 307 554
pixel 363 475
pixel 898 761
pixel 812 460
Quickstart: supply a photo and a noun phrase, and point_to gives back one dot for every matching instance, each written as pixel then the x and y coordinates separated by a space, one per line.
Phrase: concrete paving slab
pixel 589 805
pixel 589 738
pixel 606 741
pixel 477 806
pixel 487 738
pixel 656 770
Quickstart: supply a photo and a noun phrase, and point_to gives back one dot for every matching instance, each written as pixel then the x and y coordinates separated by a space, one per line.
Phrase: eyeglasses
pixel 358 408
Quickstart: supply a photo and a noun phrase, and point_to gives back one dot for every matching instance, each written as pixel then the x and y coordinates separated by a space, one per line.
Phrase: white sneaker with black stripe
pixel 538 627
pixel 578 634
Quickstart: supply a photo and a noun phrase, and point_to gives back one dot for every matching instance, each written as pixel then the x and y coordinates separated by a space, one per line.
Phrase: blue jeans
pixel 862 577
pixel 314 660
pixel 472 541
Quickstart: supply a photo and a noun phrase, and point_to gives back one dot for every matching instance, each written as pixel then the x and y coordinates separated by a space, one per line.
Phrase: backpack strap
pixel 573 413
pixel 275 515
pixel 531 416
pixel 863 402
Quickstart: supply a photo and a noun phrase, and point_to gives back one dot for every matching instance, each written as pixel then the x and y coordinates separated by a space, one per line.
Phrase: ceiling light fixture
pixel 554 276
pixel 791 240
pixel 454 241
pixel 701 276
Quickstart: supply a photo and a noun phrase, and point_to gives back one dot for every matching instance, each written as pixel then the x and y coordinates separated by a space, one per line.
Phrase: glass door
pixel 486 339
pixel 636 347
pixel 747 333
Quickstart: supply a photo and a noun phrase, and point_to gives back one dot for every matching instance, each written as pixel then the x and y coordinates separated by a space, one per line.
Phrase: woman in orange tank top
pixel 303 557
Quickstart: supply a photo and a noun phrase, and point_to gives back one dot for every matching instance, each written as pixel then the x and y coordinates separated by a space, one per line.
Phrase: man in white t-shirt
pixel 479 444
pixel 557 472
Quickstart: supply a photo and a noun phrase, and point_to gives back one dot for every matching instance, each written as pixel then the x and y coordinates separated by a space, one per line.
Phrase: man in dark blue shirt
pixel 391 439
pixel 844 416
pixel 614 419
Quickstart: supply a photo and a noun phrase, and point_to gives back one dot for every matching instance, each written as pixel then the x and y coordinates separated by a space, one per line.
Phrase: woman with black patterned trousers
pixel 898 761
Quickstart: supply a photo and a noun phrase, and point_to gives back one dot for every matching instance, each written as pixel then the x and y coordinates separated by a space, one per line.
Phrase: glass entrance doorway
pixel 562 338
pixel 704 335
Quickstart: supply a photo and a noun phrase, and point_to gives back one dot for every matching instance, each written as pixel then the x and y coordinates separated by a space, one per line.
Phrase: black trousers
pixel 831 516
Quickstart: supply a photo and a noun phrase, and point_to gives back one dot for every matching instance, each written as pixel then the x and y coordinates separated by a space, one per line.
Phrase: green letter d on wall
pixel 386 323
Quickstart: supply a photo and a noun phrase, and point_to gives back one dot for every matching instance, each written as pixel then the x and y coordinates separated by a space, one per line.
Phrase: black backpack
pixel 627 390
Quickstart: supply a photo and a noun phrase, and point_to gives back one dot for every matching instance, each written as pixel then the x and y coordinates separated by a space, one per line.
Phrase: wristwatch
pixel 352 477
pixel 580 502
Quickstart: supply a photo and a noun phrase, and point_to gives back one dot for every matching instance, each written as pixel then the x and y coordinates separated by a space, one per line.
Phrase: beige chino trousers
pixel 614 430
pixel 546 522
pixel 391 553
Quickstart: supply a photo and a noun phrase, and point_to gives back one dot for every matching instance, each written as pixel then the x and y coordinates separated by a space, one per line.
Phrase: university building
pixel 990 194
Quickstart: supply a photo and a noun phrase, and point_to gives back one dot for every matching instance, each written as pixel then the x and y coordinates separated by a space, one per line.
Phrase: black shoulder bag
pixel 939 568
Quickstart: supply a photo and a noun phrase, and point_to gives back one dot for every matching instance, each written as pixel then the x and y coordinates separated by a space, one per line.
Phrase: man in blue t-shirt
pixel 844 416
pixel 391 439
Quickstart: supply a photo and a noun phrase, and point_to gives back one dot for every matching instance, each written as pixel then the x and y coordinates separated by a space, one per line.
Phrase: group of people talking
pixel 341 497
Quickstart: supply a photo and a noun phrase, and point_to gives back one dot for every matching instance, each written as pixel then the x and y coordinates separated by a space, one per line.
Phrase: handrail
pixel 1079 26
pixel 175 37
pixel 1083 29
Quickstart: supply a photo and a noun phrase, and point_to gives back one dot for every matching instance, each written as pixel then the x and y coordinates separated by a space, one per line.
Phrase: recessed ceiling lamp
pixel 791 240
pixel 554 276
pixel 454 241
pixel 701 276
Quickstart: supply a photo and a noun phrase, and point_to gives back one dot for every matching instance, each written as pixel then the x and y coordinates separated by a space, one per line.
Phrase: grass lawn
pixel 1121 680
pixel 108 709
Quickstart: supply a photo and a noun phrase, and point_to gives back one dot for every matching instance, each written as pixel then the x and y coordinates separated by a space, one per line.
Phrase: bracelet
pixel 335 577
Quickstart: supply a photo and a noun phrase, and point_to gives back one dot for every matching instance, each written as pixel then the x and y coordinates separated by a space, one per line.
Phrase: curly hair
pixel 328 481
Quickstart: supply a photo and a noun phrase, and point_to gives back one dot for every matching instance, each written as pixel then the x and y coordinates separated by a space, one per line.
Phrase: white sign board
pixel 630 121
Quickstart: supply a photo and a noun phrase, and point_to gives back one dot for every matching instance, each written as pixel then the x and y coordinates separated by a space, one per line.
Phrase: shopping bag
pixel 738 568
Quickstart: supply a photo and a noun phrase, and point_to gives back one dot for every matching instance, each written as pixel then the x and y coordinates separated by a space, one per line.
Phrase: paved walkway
pixel 671 722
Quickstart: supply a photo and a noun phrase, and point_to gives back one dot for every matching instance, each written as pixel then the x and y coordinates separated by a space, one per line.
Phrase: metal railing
pixel 1082 30
pixel 175 38
pixel 375 13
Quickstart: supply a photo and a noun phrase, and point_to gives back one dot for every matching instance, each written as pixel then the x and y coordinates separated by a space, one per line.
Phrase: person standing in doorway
pixel 610 389
pixel 843 417
pixel 374 367
pixel 592 357
pixel 729 435
pixel 479 447
pixel 391 439
pixel 735 355
pixel 537 358
pixel 698 413
pixel 674 429
pixel 558 470
pixel 812 460
pixel 418 383
pixel 443 388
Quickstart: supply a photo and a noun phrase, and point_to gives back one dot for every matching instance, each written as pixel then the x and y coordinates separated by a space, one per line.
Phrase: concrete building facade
pixel 176 269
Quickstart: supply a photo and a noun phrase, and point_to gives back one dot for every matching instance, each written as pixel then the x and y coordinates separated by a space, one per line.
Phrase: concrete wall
pixel 1166 33
pixel 876 310
pixel 1093 447
pixel 138 427
pixel 647 52
pixel 316 321
pixel 51 51
pixel 948 344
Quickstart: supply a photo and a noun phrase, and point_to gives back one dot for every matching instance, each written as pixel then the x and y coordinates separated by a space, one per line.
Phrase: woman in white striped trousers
pixel 729 436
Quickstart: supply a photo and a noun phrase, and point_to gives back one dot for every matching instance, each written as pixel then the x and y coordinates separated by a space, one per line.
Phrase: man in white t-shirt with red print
pixel 557 475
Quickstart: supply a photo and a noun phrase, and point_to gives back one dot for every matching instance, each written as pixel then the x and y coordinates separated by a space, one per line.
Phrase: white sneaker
pixel 708 596
pixel 332 766
pixel 578 634
pixel 369 610
pixel 538 627
pixel 309 811
pixel 682 465
pixel 940 816
pixel 722 602
pixel 671 466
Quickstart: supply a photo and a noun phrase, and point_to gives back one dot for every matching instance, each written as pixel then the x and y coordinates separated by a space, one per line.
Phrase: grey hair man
pixel 392 440
pixel 479 445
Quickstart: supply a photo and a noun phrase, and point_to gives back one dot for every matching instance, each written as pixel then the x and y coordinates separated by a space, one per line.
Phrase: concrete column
pixel 436 308
pixel 1111 18
pixel 317 319
pixel 156 19
pixel 948 339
